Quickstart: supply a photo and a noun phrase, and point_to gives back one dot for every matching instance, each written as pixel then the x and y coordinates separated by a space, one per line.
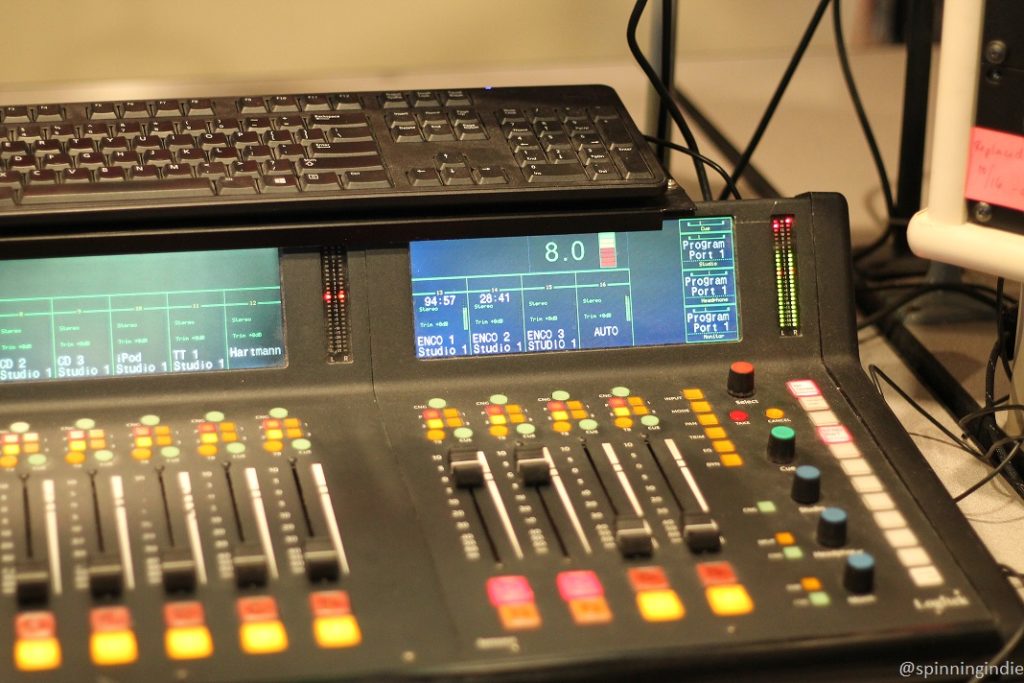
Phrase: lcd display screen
pixel 511 295
pixel 140 314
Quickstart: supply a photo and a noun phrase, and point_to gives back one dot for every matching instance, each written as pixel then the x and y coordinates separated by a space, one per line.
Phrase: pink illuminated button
pixel 803 387
pixel 834 434
pixel 35 625
pixel 508 590
pixel 576 585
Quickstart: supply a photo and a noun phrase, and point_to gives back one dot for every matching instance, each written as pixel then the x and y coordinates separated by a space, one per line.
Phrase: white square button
pixel 890 519
pixel 924 577
pixel 823 418
pixel 866 484
pixel 834 434
pixel 811 403
pixel 855 467
pixel 901 538
pixel 914 557
pixel 803 387
pixel 844 450
pixel 878 501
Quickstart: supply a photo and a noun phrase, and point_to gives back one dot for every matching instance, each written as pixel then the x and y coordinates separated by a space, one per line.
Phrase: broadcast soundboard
pixel 566 450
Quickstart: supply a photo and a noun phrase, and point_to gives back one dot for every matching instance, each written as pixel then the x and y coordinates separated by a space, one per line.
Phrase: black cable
pixel 997 470
pixel 1001 326
pixel 990 371
pixel 666 96
pixel 780 90
pixel 696 155
pixel 999 657
pixel 910 296
pixel 992 410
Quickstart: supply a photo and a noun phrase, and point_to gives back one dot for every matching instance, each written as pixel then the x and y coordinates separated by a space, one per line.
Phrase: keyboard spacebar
pixel 126 191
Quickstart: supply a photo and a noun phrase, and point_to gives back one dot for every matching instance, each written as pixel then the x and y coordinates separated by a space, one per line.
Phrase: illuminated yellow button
pixel 636 400
pixel 560 414
pixel 517 418
pixel 723 446
pixel 164 440
pixel 562 426
pixel 142 453
pixel 498 420
pixel 188 642
pixel 731 460
pixel 292 423
pixel 693 394
pixel 228 437
pixel 77 445
pixel 227 426
pixel 623 422
pixel 784 538
pixel 700 407
pixel 514 409
pixel 294 433
pixel 208 437
pixel 37 654
pixel 715 432
pixel 621 411
pixel 273 446
pixel 97 444
pixel 337 631
pixel 8 461
pixel 112 648
pixel 207 450
pixel 810 584
pixel 498 430
pixel 11 449
pixel 96 434
pixel 435 423
pixel 435 435
pixel 729 600
pixel 575 405
pixel 641 410
pixel 660 605
pixel 774 413
pixel 587 611
pixel 31 448
pixel 707 419
pixel 144 441
pixel 519 616
pixel 163 430
pixel 76 458
pixel 275 434
pixel 455 421
pixel 263 637
pixel 451 412
pixel 580 414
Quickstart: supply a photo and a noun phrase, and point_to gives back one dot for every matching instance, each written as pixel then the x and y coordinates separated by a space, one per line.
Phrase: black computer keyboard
pixel 331 153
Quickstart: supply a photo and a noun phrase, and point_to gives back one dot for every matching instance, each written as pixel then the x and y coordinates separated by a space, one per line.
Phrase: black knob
pixel 741 379
pixel 832 527
pixel 806 484
pixel 781 444
pixel 859 575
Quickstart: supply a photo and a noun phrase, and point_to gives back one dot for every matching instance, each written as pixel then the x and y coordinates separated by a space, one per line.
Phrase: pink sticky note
pixel 995 171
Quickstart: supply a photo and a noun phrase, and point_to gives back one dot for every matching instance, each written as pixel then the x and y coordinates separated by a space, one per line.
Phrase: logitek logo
pixel 941 603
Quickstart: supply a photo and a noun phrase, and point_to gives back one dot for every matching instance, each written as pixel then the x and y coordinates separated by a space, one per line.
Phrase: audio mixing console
pixel 589 454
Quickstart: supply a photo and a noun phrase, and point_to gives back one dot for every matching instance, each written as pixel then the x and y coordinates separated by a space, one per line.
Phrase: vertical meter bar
pixel 52 537
pixel 784 255
pixel 621 474
pixel 687 475
pixel 563 495
pixel 499 504
pixel 262 528
pixel 192 523
pixel 121 519
pixel 332 521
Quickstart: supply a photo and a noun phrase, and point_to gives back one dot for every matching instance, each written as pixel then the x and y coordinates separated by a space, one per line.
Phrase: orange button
pixel 723 446
pixel 580 414
pixel 660 605
pixel 11 449
pixel 37 654
pixel 731 460
pixel 575 405
pixel 623 422
pixel 729 600
pixel 263 637
pixel 76 458
pixel 641 410
pixel 273 446
pixel 588 611
pixel 520 616
pixel 208 450
pixel 715 433
pixel 329 603
pixel 144 441
pixel 559 415
pixel 9 461
pixel 142 453
pixel 700 407
pixel 810 584
pixel 336 632
pixel 498 430
pixel 635 400
pixel 113 648
pixel 707 419
pixel 693 394
pixel 514 408
pixel 435 423
pixel 451 412
pixel 784 538
pixel 435 435
pixel 208 437
pixel 562 426
pixel 292 423
pixel 774 414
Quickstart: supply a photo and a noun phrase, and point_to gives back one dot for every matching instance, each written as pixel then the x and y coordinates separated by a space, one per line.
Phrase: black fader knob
pixel 781 444
pixel 741 379
pixel 859 575
pixel 806 484
pixel 832 527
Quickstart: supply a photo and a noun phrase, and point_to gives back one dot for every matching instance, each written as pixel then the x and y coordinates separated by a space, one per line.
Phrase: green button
pixel 819 599
pixel 301 444
pixel 437 403
pixel 765 506
pixel 620 392
pixel 560 395
pixel 170 452
pixel 37 459
pixel 19 427
pixel 278 413
pixel 462 433
pixel 215 416
pixel 499 399
pixel 783 432
pixel 650 421
pixel 525 428
pixel 103 456
pixel 236 448
pixel 793 552
pixel 588 425
pixel 150 420
pixel 85 423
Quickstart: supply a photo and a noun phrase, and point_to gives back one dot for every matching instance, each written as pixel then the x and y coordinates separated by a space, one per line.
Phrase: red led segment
pixel 329 604
pixel 106 619
pixel 184 614
pixel 715 573
pixel 739 415
pixel 616 402
pixel 648 578
pixel 257 608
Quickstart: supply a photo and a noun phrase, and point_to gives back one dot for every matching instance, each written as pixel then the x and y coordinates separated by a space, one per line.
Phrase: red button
pixel 34 625
pixel 494 410
pixel 259 608
pixel 648 578
pixel 271 423
pixel 105 619
pixel 330 604
pixel 431 414
pixel 140 431
pixel 207 427
pixel 742 367
pixel 576 585
pixel 506 590
pixel 739 415
pixel 184 614
pixel 556 405
pixel 714 573
pixel 616 402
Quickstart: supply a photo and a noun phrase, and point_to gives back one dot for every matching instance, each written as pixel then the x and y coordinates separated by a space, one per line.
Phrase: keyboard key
pixel 530 156
pixel 581 140
pixel 9 149
pixel 114 192
pixel 277 137
pixel 489 175
pixel 228 126
pixel 44 147
pixel 369 162
pixel 199 107
pixel 278 168
pixel 438 132
pixel 289 123
pixel 223 154
pixel 341 149
pixel 315 103
pixel 190 156
pixel 75 146
pixel 327 121
pixel 212 170
pixel 562 156
pixel 76 175
pixel 615 133
pixel 244 140
pixel 354 134
pixel 160 129
pixel 511 115
pixel 110 174
pixel 252 105
pixel 193 127
pixel 108 145
pixel 284 103
pixel 603 113
pixel 446 159
pixel 234 187
pixel 311 135
pixel 177 171
pixel 520 142
pixel 257 153
pixel 552 173
pixel 63 132
pixel 180 141
pixel 56 161
pixel 400 118
pixel 423 177
pixel 9 180
pixel 135 110
pixel 632 162
pixel 425 98
pixel 601 170
pixel 245 169
pixel 470 131
pixel 144 173
pixel 29 133
pixel 16 113
pixel 456 175
pixel 22 163
pixel 90 160
pixel 347 101
pixel 157 157
pixel 43 176
pixel 456 98
pixel 100 111
pixel 256 124
pixel 319 182
pixel 95 131
pixel 431 116
pixel 123 158
pixel 279 184
pixel 146 143
pixel 291 152
pixel 167 108
pixel 393 100
pixel 49 112
pixel 406 133
pixel 355 180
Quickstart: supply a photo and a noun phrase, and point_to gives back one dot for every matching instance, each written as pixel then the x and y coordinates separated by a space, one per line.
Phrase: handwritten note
pixel 995 171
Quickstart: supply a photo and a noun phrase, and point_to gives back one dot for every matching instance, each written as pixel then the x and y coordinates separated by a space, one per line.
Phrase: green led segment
pixel 783 249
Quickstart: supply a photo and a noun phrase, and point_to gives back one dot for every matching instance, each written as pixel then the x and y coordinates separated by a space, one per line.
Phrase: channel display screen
pixel 511 295
pixel 140 314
